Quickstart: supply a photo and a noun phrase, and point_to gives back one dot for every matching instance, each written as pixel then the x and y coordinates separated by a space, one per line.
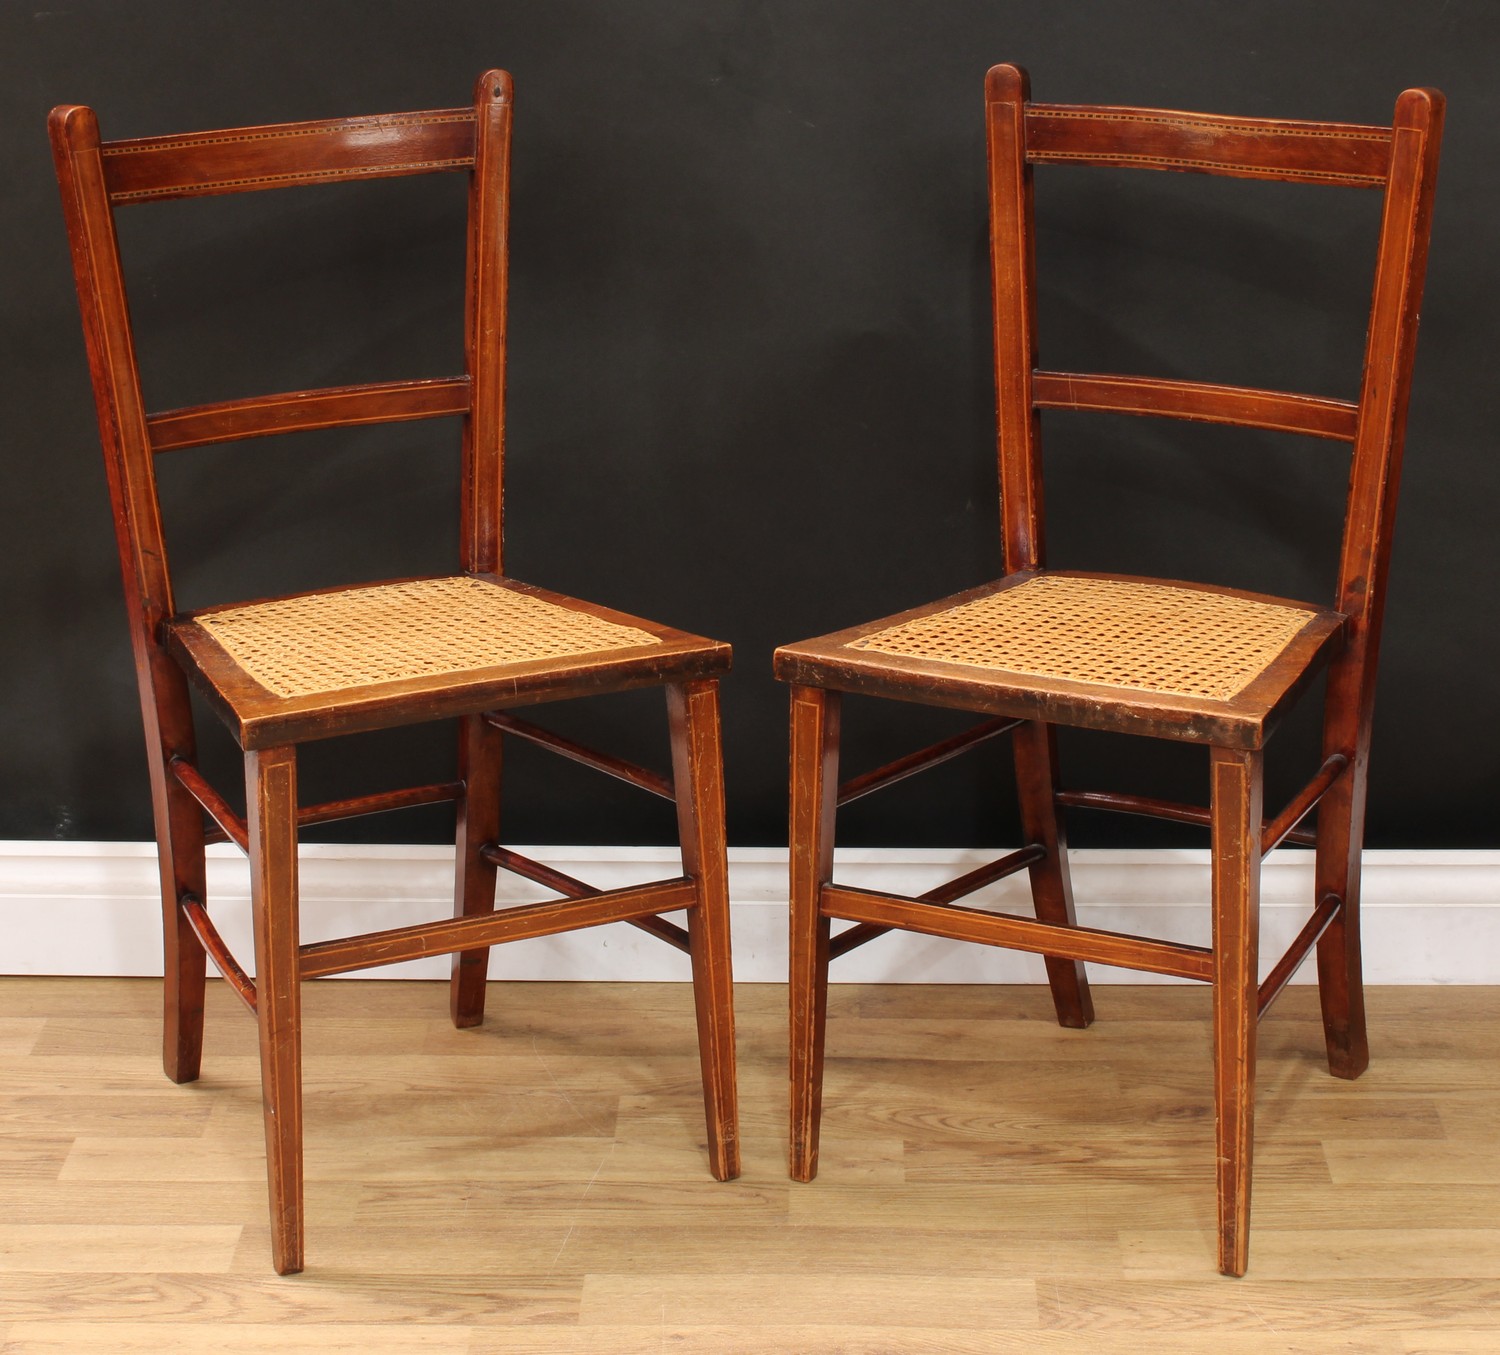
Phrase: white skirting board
pixel 92 908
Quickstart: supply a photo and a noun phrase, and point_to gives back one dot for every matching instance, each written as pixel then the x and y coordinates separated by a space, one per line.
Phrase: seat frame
pixel 96 178
pixel 1401 161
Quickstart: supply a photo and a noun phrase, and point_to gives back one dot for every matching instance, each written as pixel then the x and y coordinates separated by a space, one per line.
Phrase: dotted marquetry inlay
pixel 1146 636
pixel 330 642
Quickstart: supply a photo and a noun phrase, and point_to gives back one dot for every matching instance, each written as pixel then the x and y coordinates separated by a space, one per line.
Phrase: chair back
pixel 99 177
pixel 1400 161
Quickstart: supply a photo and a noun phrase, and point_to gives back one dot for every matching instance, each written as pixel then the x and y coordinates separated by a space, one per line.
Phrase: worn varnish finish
pixel 172 649
pixel 1341 637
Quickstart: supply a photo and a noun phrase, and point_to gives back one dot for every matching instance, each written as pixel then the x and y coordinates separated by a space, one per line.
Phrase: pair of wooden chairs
pixel 1035 650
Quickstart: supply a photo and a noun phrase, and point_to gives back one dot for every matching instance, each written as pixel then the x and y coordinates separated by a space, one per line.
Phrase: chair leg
pixel 1341 825
pixel 1035 748
pixel 271 798
pixel 474 877
pixel 1236 804
pixel 814 801
pixel 698 773
pixel 179 851
pixel 179 848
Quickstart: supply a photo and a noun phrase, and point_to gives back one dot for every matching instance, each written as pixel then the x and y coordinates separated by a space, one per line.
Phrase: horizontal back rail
pixel 245 159
pixel 1249 148
pixel 1243 406
pixel 296 411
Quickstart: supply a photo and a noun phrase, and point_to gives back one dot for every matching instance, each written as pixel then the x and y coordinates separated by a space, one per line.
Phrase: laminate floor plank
pixel 988 1181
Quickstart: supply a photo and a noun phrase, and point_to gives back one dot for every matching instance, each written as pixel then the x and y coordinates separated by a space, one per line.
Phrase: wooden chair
pixel 1040 648
pixel 284 671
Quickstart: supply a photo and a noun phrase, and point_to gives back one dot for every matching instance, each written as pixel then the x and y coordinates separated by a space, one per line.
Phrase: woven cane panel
pixel 330 642
pixel 1150 637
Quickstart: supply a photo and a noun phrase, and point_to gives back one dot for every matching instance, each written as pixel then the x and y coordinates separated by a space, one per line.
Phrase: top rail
pixel 244 159
pixel 1346 154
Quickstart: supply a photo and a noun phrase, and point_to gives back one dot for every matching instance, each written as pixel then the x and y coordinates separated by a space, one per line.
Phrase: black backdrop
pixel 750 390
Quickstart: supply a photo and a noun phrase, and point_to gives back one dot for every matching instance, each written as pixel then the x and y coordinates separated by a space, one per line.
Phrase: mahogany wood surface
pixel 214 947
pixel 479 768
pixel 472 931
pixel 171 648
pixel 1274 983
pixel 1316 416
pixel 1172 810
pixel 1161 138
pixel 1341 638
pixel 244 159
pixel 969 882
pixel 571 888
pixel 271 799
pixel 299 411
pixel 616 767
pixel 867 783
pixel 814 804
pixel 1236 780
pixel 698 776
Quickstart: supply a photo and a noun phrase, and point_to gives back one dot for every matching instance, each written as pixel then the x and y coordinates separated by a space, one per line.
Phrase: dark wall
pixel 750 384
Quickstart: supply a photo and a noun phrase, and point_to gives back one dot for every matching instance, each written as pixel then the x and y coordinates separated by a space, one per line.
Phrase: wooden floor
pixel 989 1182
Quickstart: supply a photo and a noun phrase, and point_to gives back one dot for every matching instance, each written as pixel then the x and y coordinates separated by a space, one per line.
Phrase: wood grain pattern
pixel 479 767
pixel 698 780
pixel 814 808
pixel 298 411
pixel 527 1184
pixel 1342 154
pixel 243 159
pixel 271 816
pixel 1313 416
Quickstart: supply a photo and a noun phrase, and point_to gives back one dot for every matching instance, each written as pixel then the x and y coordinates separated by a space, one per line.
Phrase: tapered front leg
pixel 814 801
pixel 271 798
pixel 1236 810
pixel 698 774
pixel 1035 746
pixel 474 877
